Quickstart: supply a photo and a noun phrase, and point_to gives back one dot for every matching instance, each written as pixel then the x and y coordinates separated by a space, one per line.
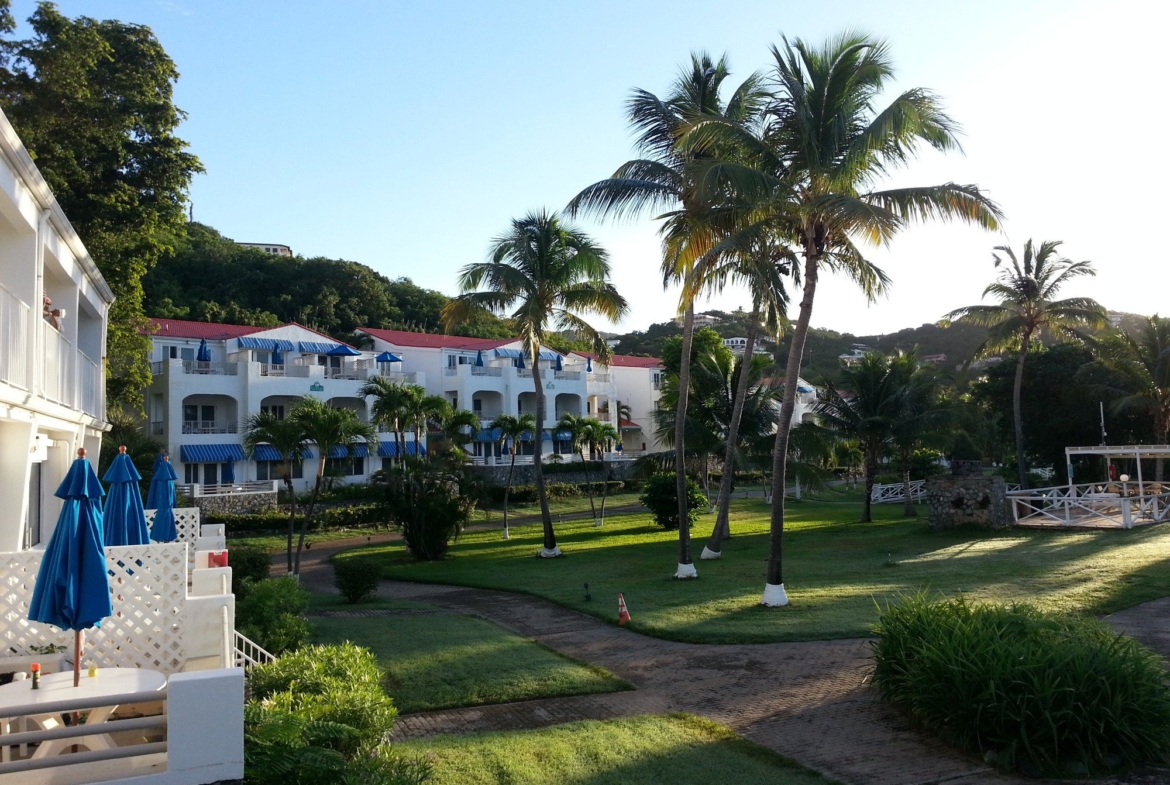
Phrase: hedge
pixel 526 494
pixel 329 518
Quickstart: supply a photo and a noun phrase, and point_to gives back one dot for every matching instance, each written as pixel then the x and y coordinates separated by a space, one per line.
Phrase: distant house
pixel 702 320
pixel 739 345
pixel 273 248
pixel 934 359
pixel 855 355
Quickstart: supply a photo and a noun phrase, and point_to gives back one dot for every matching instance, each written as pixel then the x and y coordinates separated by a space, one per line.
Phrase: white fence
pixel 14 320
pixel 93 386
pixel 58 369
pixel 149 585
pixel 186 522
pixel 249 653
pixel 1111 504
pixel 896 492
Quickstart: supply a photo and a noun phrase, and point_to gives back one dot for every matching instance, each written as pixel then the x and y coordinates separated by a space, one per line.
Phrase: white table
pixel 54 687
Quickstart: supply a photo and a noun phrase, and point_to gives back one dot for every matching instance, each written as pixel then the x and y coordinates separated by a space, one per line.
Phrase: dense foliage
pixel 356 579
pixel 428 501
pixel 661 499
pixel 249 567
pixel 1043 693
pixel 270 614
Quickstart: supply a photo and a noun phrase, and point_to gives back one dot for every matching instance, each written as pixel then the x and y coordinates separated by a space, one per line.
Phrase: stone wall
pixel 235 503
pixel 967 501
pixel 526 474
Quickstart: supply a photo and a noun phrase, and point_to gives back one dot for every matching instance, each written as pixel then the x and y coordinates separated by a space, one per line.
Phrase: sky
pixel 407 135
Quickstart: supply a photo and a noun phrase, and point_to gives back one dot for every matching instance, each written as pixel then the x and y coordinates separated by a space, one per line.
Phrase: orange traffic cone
pixel 623 612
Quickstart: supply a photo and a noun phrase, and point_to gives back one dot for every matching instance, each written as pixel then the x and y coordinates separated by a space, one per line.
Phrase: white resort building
pixel 165 703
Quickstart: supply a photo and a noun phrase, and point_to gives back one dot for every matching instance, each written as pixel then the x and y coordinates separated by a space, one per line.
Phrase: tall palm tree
pixel 389 406
pixel 807 173
pixel 421 410
pixel 581 434
pixel 328 429
pixel 863 406
pixel 550 275
pixel 664 181
pixel 922 419
pixel 287 438
pixel 601 438
pixel 1140 376
pixel 513 429
pixel 459 428
pixel 1027 309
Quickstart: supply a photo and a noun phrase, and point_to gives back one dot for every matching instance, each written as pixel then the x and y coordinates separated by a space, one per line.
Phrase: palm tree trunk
pixel 908 508
pixel 589 486
pixel 870 474
pixel 308 516
pixel 686 567
pixel 292 516
pixel 722 528
pixel 550 539
pixel 508 486
pixel 1017 414
pixel 774 593
pixel 604 487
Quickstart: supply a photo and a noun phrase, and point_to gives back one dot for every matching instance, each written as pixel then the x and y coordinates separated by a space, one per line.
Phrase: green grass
pixel 677 749
pixel 443 661
pixel 277 543
pixel 835 570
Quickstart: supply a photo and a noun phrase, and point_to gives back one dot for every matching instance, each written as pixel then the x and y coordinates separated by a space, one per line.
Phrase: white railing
pixel 249 653
pixel 268 369
pixel 889 493
pixel 572 376
pixel 486 370
pixel 59 368
pixel 187 519
pixel 402 377
pixel 210 426
pixel 1121 504
pixel 14 320
pixel 199 490
pixel 450 371
pixel 600 378
pixel 93 386
pixel 524 373
pixel 210 369
pixel 603 416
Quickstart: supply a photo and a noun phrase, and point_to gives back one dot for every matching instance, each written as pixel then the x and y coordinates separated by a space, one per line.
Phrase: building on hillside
pixel 273 248
pixel 739 345
pixel 934 359
pixel 637 383
pixel 806 399
pixel 199 407
pixel 702 320
pixel 855 355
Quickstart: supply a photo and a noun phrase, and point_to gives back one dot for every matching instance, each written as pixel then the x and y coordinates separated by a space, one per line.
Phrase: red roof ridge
pixel 433 340
pixel 625 360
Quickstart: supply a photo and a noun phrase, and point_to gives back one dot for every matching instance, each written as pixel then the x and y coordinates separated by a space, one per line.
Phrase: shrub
pixel 427 504
pixel 572 467
pixel 661 498
pixel 356 578
pixel 1043 693
pixel 270 614
pixel 343 517
pixel 249 566
pixel 562 490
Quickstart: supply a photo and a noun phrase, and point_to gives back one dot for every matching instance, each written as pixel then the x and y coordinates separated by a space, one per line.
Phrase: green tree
pixel 582 435
pixel 923 420
pixel 666 180
pixel 1027 309
pixel 328 429
pixel 602 436
pixel 389 407
pixel 513 429
pixel 92 101
pixel 287 437
pixel 551 274
pixel 806 173
pixel 459 427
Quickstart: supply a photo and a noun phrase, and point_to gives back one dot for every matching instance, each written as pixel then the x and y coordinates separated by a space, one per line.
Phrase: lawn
pixel 835 570
pixel 443 661
pixel 576 504
pixel 679 749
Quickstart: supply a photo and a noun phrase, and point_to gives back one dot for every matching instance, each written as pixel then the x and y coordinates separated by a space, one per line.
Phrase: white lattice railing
pixel 14 320
pixel 249 653
pixel 186 522
pixel 896 492
pixel 149 586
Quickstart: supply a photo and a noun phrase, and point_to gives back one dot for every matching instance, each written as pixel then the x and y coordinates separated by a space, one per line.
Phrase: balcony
pixel 14 321
pixel 209 426
pixel 600 378
pixel 570 376
pixel 210 369
pixel 486 370
pixel 603 416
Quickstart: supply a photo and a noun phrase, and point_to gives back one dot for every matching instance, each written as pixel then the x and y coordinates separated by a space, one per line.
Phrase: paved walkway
pixel 810 701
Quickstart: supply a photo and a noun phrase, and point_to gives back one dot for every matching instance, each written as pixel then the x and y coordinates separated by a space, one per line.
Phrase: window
pixel 346 467
pixel 477 405
pixel 187 353
pixel 275 409
pixel 273 470
pixel 173 352
pixel 450 361
pixel 208 413
pixel 190 414
pixel 465 360
pixel 190 473
pixel 210 473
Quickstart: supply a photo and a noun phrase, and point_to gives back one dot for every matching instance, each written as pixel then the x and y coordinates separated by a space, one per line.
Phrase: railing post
pixel 1126 514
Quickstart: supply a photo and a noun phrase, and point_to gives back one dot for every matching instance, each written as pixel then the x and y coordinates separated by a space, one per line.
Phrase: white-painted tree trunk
pixel 599 522
pixel 710 554
pixel 550 553
pixel 686 571
pixel 774 595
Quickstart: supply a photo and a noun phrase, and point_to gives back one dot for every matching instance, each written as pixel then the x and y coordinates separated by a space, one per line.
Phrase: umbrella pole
pixel 77 658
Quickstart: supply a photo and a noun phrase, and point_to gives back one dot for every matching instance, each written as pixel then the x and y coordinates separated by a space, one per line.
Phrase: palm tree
pixel 389 406
pixel 328 429
pixel 1027 309
pixel 665 182
pixel 602 436
pixel 287 438
pixel 514 429
pixel 1140 376
pixel 581 434
pixel 421 410
pixel 806 173
pixel 459 428
pixel 921 420
pixel 863 406
pixel 550 274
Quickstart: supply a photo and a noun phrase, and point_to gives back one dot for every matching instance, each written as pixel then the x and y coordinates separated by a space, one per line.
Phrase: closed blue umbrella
pixel 588 365
pixel 560 365
pixel 479 358
pixel 162 456
pixel 520 362
pixel 72 591
pixel 125 522
pixel 277 357
pixel 229 473
pixel 161 497
pixel 204 353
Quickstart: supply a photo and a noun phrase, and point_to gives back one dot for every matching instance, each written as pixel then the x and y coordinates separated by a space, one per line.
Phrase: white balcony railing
pixel 402 377
pixel 59 368
pixel 486 370
pixel 450 371
pixel 600 378
pixel 603 416
pixel 210 369
pixel 199 490
pixel 571 376
pixel 156 429
pixel 210 426
pixel 92 386
pixel 14 321
pixel 249 653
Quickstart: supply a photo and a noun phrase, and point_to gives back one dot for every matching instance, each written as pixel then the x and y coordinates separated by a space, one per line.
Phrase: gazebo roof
pixel 1122 451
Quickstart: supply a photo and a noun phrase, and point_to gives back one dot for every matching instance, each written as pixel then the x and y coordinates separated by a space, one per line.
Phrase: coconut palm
pixel 513 429
pixel 389 407
pixel 1140 376
pixel 1028 309
pixel 808 173
pixel 459 427
pixel 602 436
pixel 421 410
pixel 581 435
pixel 287 438
pixel 664 182
pixel 329 430
pixel 550 275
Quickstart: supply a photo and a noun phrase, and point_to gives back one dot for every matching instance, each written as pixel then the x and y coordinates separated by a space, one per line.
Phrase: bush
pixel 249 566
pixel 661 498
pixel 526 494
pixel 329 518
pixel 270 614
pixel 572 467
pixel 356 578
pixel 1039 692
pixel 429 507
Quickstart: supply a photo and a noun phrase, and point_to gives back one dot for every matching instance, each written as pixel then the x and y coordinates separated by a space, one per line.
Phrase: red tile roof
pixel 628 424
pixel 434 341
pixel 626 360
pixel 181 328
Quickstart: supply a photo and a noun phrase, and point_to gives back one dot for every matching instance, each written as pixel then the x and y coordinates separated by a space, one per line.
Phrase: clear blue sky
pixel 406 135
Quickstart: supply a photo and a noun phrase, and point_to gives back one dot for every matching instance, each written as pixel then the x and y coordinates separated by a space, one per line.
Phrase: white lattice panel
pixel 149 584
pixel 186 522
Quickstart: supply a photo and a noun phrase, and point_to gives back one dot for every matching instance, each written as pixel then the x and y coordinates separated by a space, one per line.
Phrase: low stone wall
pixel 235 503
pixel 526 474
pixel 967 501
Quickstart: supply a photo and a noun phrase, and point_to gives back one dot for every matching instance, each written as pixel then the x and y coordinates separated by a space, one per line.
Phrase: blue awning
pixel 390 449
pixel 341 350
pixel 489 435
pixel 317 347
pixel 516 354
pixel 266 452
pixel 249 342
pixel 211 453
pixel 387 357
pixel 359 451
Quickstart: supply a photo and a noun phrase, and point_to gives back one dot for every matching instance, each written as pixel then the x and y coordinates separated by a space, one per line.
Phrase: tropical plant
pixel 389 407
pixel 287 438
pixel 427 501
pixel 458 427
pixel 583 439
pixel 601 437
pixel 659 497
pixel 356 579
pixel 421 410
pixel 921 421
pixel 551 275
pixel 330 430
pixel 514 430
pixel 1139 376
pixel 126 430
pixel 1027 309
pixel 806 174
pixel 270 613
pixel 666 180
